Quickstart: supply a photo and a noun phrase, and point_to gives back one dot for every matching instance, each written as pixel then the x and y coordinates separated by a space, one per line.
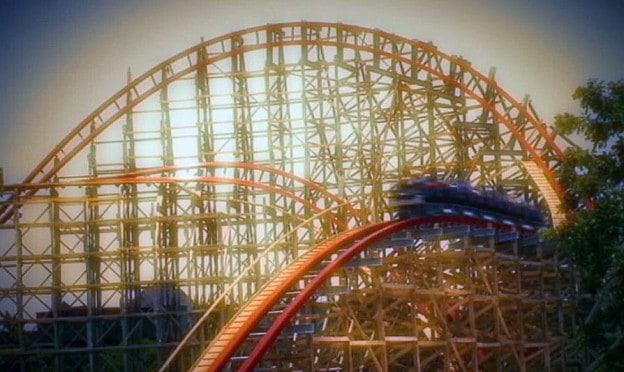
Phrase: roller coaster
pixel 426 197
pixel 234 207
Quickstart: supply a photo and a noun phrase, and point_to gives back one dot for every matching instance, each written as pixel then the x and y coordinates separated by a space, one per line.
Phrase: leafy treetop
pixel 593 180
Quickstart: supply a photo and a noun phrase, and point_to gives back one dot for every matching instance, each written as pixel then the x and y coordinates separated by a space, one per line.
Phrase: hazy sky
pixel 60 59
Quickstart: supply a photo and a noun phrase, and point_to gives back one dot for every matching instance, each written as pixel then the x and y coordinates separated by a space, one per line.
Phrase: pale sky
pixel 61 59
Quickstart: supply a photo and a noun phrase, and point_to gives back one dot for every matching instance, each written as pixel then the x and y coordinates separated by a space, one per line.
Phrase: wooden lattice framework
pixel 206 175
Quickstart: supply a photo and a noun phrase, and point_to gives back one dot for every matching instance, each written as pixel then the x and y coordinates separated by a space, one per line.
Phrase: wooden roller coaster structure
pixel 251 161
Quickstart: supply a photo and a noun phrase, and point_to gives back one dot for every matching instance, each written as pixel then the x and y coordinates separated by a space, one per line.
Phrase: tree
pixel 593 179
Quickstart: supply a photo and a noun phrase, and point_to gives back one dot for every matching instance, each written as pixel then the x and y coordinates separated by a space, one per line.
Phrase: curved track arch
pixel 411 65
pixel 327 116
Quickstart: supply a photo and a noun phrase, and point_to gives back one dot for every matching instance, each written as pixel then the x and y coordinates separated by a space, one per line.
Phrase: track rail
pixel 186 62
pixel 220 350
pixel 152 175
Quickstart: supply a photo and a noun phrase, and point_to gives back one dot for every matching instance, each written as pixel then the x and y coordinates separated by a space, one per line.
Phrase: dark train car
pixel 425 197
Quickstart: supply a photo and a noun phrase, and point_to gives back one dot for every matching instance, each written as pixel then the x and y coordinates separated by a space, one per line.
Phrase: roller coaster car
pixel 426 197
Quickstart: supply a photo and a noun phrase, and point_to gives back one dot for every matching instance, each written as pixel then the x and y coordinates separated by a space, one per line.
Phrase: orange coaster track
pixel 218 355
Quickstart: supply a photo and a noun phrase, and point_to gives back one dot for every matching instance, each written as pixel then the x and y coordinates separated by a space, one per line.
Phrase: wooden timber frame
pixel 152 222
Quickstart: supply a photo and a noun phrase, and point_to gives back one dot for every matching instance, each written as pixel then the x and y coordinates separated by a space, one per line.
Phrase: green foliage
pixel 594 172
pixel 593 238
pixel 593 179
pixel 602 118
